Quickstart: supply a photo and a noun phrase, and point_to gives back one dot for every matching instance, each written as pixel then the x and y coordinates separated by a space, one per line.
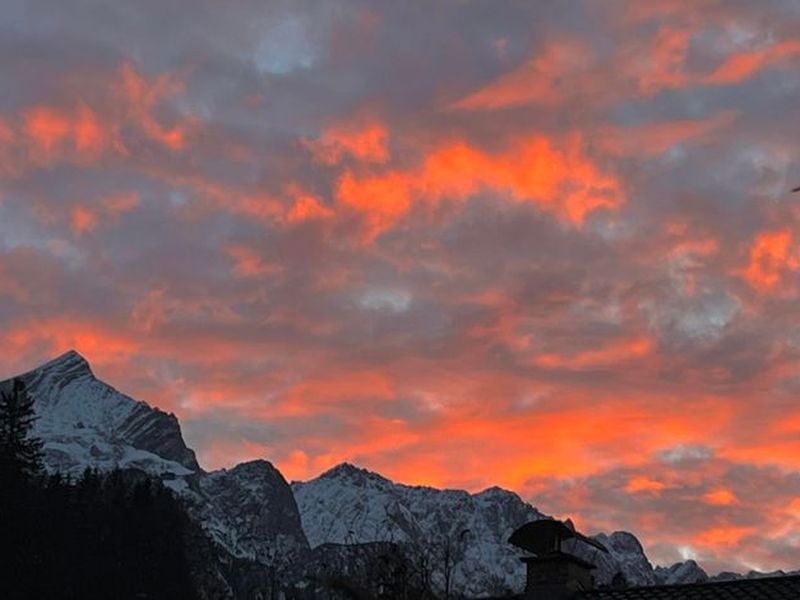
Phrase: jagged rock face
pixel 683 572
pixel 351 505
pixel 85 422
pixel 626 556
pixel 250 510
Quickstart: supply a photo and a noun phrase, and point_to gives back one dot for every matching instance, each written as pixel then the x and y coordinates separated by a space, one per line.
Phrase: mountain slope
pixel 448 529
pixel 85 422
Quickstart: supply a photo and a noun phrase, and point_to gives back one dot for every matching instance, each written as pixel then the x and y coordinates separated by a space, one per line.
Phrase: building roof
pixel 766 588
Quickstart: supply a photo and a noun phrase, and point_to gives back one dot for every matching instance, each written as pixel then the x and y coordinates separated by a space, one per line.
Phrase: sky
pixel 549 246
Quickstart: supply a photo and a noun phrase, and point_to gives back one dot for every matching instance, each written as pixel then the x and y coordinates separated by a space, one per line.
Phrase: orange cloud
pixel 122 203
pixel 142 97
pixel 83 219
pixel 670 50
pixel 720 497
pixel 100 343
pixel 47 128
pixel 260 206
pixel 560 180
pixel 382 199
pixel 723 536
pixel 248 263
pixel 656 138
pixel 329 391
pixel 53 133
pixel 614 354
pixel 640 483
pixel 743 65
pixel 10 287
pixel 82 133
pixel 90 136
pixel 8 164
pixel 783 452
pixel 222 453
pixel 565 69
pixel 545 78
pixel 659 62
pixel 550 440
pixel 307 208
pixel 772 255
pixel 364 142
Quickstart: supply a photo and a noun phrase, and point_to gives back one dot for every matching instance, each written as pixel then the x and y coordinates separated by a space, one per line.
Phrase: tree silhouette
pixel 20 454
pixel 118 535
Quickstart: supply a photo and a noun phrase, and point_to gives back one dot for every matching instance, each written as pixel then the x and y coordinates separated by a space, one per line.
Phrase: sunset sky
pixel 545 245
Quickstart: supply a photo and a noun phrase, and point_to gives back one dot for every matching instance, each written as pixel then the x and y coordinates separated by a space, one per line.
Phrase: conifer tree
pixel 20 453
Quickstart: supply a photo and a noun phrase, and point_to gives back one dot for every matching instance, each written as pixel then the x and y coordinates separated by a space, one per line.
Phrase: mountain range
pixel 347 516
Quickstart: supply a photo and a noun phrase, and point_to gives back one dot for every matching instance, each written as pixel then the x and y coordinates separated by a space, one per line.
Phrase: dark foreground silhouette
pixel 102 537
pixel 118 535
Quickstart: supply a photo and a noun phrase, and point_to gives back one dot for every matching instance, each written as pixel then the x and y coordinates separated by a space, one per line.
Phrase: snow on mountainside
pixel 83 422
pixel 626 556
pixel 351 505
pixel 250 510
pixel 683 572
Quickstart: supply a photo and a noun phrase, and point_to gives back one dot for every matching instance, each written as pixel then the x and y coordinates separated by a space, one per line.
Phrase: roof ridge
pixel 623 593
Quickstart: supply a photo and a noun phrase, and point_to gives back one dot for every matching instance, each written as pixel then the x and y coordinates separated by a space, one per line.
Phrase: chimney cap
pixel 545 536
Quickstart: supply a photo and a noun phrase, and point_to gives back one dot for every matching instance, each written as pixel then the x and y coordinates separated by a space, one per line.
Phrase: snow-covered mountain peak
pixel 344 469
pixel 69 362
pixel 354 475
pixel 497 494
pixel 60 371
pixel 352 505
pixel 492 492
pixel 255 466
pixel 85 422
pixel 683 572
pixel 624 541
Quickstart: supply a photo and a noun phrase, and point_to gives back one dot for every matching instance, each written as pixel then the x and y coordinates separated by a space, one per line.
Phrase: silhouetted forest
pixel 102 537
pixel 116 535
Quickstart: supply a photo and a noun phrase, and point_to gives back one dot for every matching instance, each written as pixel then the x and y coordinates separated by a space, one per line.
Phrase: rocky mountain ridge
pixel 453 530
pixel 84 421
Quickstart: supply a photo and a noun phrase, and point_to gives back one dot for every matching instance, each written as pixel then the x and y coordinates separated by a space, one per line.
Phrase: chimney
pixel 552 573
pixel 556 576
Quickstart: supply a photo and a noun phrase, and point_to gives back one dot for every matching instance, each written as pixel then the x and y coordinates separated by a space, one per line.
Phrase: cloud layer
pixel 548 247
